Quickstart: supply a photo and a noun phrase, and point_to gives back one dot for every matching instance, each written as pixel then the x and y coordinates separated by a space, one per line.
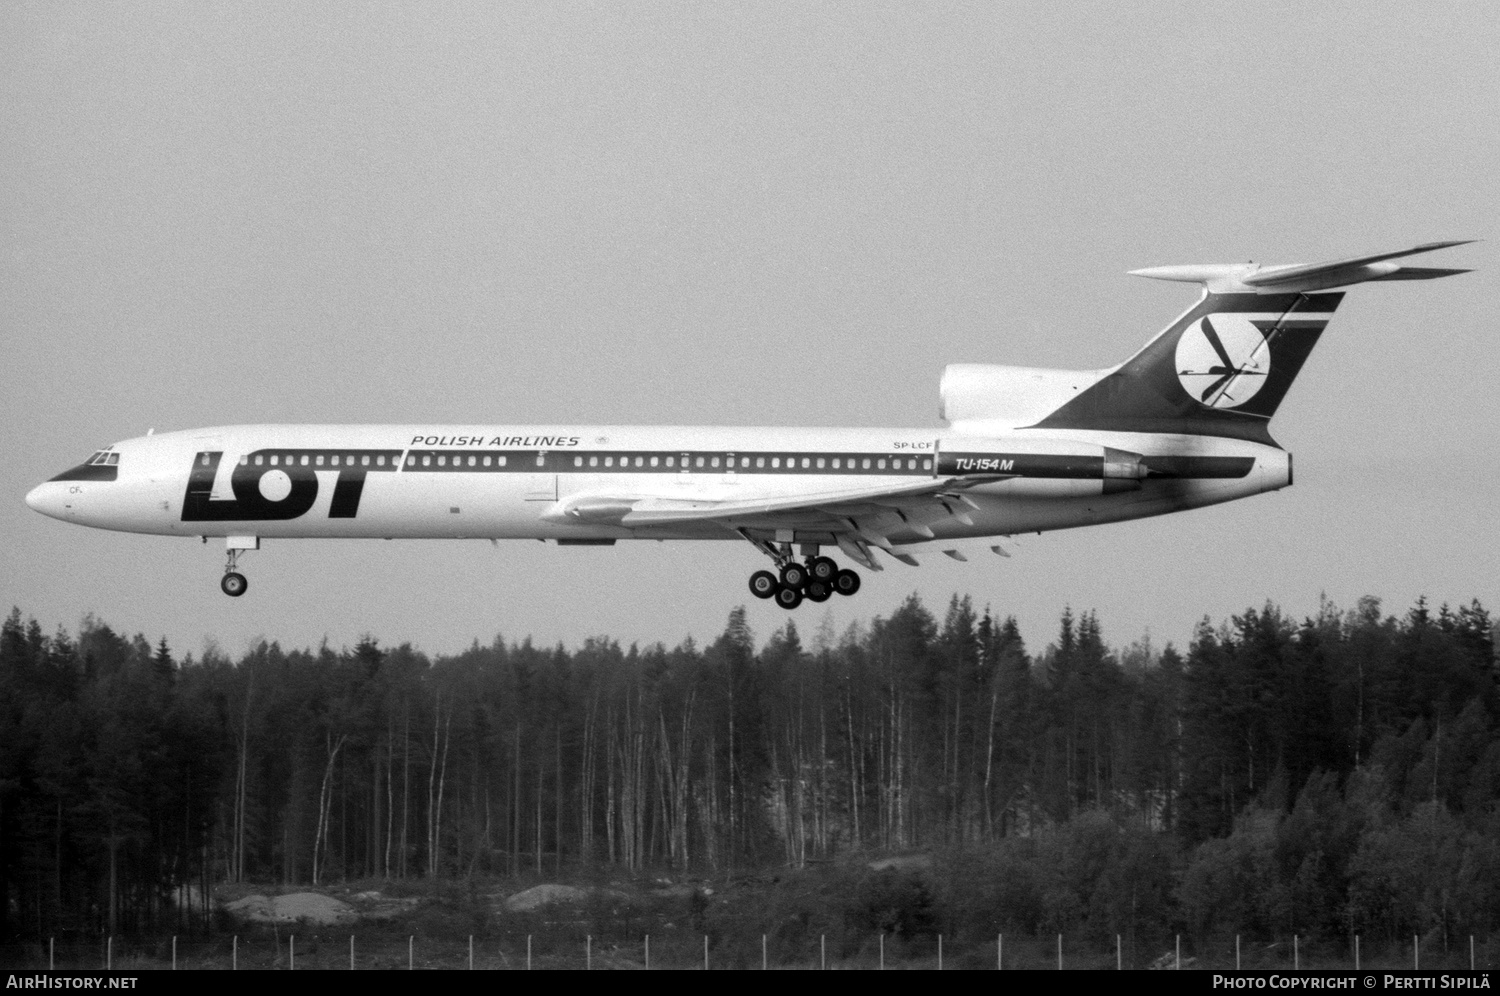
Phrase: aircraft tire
pixel 788 598
pixel 818 591
pixel 763 584
pixel 846 582
pixel 233 584
pixel 823 569
pixel 793 576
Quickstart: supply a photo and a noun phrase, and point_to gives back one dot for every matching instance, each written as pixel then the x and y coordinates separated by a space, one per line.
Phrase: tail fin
pixel 1223 367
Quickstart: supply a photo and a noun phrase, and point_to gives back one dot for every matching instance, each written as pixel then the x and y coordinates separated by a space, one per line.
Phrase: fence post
pixel 1296 955
pixel 1236 952
pixel 174 952
pixel 1471 952
pixel 1356 952
pixel 109 953
pixel 234 958
pixel 52 951
pixel 588 951
pixel 1059 952
pixel 1178 962
pixel 351 952
pixel 292 952
pixel 471 952
pixel 528 952
pixel 1119 955
pixel 762 952
pixel 705 952
pixel 882 952
pixel 823 952
pixel 411 952
pixel 999 952
pixel 1416 956
pixel 648 951
pixel 940 952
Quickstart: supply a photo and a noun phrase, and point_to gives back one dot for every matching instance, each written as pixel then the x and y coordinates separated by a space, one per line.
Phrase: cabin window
pixel 775 463
pixel 760 461
pixel 486 461
pixel 593 461
pixel 640 461
pixel 334 459
pixel 471 461
pixel 881 464
pixel 318 460
pixel 700 462
pixel 244 461
pixel 541 459
pixel 654 460
pixel 203 459
pixel 427 461
pixel 258 459
pixel 821 462
pixel 714 461
pixel 671 461
pixel 275 459
pixel 927 464
pixel 442 461
pixel 835 463
pixel 303 461
pixel 609 461
pixel 866 464
pixel 411 461
pixel 500 461
pixel 744 461
pixel 578 461
pixel 381 461
pixel 806 463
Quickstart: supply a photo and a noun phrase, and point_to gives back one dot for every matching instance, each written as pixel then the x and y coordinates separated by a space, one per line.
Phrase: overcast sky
pixel 772 214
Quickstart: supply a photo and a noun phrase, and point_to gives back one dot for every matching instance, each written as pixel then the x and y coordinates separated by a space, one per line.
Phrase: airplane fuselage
pixel 518 482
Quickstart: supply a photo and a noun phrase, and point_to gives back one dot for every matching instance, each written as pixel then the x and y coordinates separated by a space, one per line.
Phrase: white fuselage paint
pixel 527 500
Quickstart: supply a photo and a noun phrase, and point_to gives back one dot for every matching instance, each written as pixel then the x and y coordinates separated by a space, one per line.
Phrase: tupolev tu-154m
pixel 1182 424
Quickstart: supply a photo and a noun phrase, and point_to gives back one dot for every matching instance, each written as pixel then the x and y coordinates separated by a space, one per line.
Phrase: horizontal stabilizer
pixel 1229 278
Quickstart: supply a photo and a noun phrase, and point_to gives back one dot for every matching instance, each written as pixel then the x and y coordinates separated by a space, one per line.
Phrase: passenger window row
pixel 327 460
pixel 676 462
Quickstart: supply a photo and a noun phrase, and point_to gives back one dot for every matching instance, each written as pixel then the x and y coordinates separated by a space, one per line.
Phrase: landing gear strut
pixel 818 580
pixel 233 583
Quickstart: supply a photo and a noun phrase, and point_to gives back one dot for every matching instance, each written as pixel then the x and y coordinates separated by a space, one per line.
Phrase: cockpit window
pixel 102 465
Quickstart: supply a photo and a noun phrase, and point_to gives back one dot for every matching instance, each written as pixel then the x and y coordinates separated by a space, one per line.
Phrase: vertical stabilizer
pixel 1224 366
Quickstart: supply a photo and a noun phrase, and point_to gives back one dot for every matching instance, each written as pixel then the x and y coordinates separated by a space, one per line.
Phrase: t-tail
pixel 1221 369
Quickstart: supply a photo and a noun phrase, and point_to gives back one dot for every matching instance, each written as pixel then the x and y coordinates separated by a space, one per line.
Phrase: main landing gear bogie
pixel 816 581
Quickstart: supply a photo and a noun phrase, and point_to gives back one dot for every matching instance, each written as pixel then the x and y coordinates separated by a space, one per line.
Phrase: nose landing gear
pixel 816 581
pixel 233 583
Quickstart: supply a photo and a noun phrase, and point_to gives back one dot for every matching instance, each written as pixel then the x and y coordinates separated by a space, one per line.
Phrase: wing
pixel 884 517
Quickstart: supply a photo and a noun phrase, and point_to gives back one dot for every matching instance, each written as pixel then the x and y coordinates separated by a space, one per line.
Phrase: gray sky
pixel 753 214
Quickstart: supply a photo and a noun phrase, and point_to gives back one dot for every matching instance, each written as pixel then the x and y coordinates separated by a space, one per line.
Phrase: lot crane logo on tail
pixel 1223 360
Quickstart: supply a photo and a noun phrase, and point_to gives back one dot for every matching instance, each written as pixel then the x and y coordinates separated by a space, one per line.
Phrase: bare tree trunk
pixel 325 804
pixel 435 842
pixel 989 761
pixel 405 783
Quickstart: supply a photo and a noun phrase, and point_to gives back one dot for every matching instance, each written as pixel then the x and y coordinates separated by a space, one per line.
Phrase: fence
pixel 683 950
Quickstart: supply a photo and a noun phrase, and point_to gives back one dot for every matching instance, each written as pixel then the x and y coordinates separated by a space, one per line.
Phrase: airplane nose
pixel 47 499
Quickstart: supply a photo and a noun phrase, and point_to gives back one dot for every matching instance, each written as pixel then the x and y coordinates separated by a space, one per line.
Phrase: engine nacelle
pixel 1042 466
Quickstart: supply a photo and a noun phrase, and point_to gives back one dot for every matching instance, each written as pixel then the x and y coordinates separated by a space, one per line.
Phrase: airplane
pixel 1182 424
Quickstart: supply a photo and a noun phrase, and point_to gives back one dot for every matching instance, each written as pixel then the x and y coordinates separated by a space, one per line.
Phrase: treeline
pixel 1330 774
